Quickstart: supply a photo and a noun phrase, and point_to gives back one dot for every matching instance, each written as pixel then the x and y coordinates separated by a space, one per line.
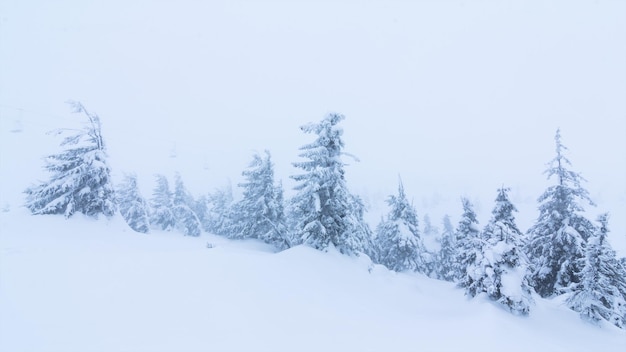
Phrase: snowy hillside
pixel 85 285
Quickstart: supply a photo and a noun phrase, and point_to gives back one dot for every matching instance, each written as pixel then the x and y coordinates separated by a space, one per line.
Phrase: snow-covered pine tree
pixel 260 214
pixel 398 237
pixel 217 218
pixel 601 294
pixel 322 210
pixel 182 201
pixel 81 180
pixel 502 269
pixel 161 205
pixel 132 205
pixel 469 244
pixel 447 256
pixel 557 238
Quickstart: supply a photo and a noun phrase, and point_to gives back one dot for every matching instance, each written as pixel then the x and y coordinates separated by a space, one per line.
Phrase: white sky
pixel 458 97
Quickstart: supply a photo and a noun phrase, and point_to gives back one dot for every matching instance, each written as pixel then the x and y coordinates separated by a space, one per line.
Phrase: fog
pixel 457 98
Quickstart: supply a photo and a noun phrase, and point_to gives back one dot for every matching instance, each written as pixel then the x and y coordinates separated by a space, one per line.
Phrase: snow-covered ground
pixel 95 285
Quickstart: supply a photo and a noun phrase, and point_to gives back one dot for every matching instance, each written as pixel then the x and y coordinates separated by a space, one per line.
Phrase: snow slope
pixel 95 285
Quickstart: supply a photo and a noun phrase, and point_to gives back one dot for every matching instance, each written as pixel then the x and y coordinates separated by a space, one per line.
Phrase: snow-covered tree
pixel 217 218
pixel 182 202
pixel 469 244
pixel 601 294
pixel 557 238
pixel 501 270
pixel 322 209
pixel 446 258
pixel 398 237
pixel 132 205
pixel 161 205
pixel 260 214
pixel 81 180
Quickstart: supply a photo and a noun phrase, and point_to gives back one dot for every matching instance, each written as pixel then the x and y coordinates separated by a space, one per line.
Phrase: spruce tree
pixel 447 256
pixel 219 208
pixel 161 205
pixel 501 270
pixel 81 180
pixel 398 238
pixel 601 294
pixel 182 202
pixel 260 214
pixel 557 238
pixel 469 244
pixel 133 207
pixel 322 209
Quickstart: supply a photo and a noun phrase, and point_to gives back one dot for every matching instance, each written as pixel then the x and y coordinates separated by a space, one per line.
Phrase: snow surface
pixel 95 285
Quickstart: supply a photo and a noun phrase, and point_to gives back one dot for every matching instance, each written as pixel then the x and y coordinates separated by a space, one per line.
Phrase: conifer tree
pixel 399 242
pixel 161 205
pixel 81 180
pixel 182 202
pixel 218 215
pixel 133 207
pixel 501 270
pixel 601 294
pixel 260 214
pixel 469 244
pixel 557 238
pixel 447 256
pixel 322 209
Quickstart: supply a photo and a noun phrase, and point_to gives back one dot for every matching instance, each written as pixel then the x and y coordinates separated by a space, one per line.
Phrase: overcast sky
pixel 456 97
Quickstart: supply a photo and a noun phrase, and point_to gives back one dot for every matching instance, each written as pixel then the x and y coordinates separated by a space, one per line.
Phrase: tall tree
pixel 260 214
pixel 469 244
pixel 501 270
pixel 161 205
pixel 322 209
pixel 398 237
pixel 557 238
pixel 81 180
pixel 601 294
pixel 133 207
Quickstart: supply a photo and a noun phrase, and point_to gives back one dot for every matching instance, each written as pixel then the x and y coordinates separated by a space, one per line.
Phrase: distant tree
pixel 182 201
pixel 399 242
pixel 162 205
pixel 133 207
pixel 260 214
pixel 446 267
pixel 322 209
pixel 601 294
pixel 80 180
pixel 557 238
pixel 501 270
pixel 469 244
pixel 429 228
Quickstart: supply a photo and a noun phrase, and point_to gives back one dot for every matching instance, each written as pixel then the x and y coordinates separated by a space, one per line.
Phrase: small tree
pixel 322 209
pixel 502 269
pixel 446 267
pixel 469 245
pixel 557 238
pixel 161 204
pixel 260 214
pixel 218 215
pixel 80 180
pixel 133 207
pixel 601 294
pixel 399 242
pixel 182 201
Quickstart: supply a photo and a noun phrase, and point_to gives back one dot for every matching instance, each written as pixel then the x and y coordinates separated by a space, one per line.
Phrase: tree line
pixel 563 253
